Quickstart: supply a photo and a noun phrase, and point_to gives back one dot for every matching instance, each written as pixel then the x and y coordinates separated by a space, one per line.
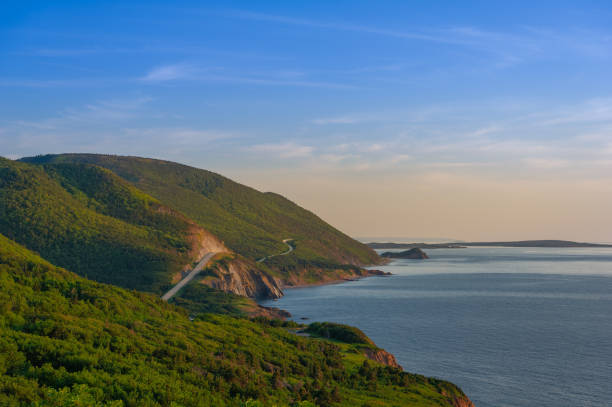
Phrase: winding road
pixel 285 241
pixel 200 266
pixel 196 270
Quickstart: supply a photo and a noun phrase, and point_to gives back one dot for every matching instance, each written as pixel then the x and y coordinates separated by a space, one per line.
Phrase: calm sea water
pixel 511 326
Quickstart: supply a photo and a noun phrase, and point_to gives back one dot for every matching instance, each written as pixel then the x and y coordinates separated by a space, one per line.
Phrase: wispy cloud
pixel 57 83
pixel 274 82
pixel 170 73
pixel 338 120
pixel 547 163
pixel 178 138
pixel 510 48
pixel 201 74
pixel 283 150
pixel 592 111
pixel 95 114
pixel 247 15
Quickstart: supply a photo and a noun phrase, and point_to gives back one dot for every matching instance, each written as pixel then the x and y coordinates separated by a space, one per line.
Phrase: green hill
pixel 103 226
pixel 250 222
pixel 87 219
pixel 69 341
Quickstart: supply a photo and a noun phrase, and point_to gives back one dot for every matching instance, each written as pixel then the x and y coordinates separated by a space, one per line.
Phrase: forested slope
pixel 87 219
pixel 69 341
pixel 250 222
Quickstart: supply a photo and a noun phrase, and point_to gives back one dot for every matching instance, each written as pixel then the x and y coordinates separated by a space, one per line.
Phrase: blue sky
pixel 323 101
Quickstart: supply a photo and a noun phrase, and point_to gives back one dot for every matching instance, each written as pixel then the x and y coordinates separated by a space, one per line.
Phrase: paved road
pixel 196 270
pixel 281 254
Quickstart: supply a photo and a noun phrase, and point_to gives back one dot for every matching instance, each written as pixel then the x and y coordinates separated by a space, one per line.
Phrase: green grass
pixel 69 341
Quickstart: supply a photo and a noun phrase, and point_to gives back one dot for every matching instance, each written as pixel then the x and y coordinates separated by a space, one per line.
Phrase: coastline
pixel 363 273
pixel 375 354
pixel 330 282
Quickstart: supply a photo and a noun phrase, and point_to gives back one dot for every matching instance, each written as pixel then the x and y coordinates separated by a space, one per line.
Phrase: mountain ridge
pixel 87 218
pixel 210 199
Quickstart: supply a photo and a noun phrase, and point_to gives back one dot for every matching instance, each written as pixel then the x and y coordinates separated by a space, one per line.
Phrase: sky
pixel 472 120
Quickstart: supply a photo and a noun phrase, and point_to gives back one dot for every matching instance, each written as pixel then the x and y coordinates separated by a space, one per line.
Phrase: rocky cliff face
pixel 456 399
pixel 381 356
pixel 241 277
pixel 204 242
pixel 459 400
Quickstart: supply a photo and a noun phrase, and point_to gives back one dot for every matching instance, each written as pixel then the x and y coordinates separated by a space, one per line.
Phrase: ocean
pixel 512 327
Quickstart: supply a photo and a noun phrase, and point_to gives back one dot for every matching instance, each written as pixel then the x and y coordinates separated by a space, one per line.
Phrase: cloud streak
pixel 169 73
pixel 510 48
pixel 283 150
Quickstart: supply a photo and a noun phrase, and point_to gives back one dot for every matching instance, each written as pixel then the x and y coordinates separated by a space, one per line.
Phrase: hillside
pixel 66 340
pixel 249 222
pixel 89 220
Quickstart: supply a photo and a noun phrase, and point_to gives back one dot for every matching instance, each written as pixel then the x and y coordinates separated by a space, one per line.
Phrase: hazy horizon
pixel 479 123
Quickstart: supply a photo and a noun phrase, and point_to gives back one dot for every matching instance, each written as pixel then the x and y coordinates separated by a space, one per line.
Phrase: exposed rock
pixel 414 253
pixel 381 356
pixel 204 242
pixel 201 241
pixel 269 312
pixel 458 400
pixel 462 402
pixel 240 276
pixel 379 273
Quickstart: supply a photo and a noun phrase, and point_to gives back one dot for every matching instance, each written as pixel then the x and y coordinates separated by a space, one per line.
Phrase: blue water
pixel 511 326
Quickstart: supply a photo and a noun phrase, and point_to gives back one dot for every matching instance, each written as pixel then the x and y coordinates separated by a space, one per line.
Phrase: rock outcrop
pixel 459 400
pixel 414 253
pixel 240 276
pixel 381 356
pixel 268 312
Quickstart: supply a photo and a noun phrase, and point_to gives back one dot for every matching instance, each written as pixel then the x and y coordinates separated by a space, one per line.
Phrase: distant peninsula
pixel 376 245
pixel 462 245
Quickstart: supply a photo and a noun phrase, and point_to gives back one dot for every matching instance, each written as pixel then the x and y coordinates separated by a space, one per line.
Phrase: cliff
pixel 240 276
pixel 381 356
pixel 458 400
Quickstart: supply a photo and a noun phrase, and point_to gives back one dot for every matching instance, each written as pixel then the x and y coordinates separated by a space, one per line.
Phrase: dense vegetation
pixel 88 220
pixel 250 222
pixel 200 299
pixel 340 332
pixel 69 341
